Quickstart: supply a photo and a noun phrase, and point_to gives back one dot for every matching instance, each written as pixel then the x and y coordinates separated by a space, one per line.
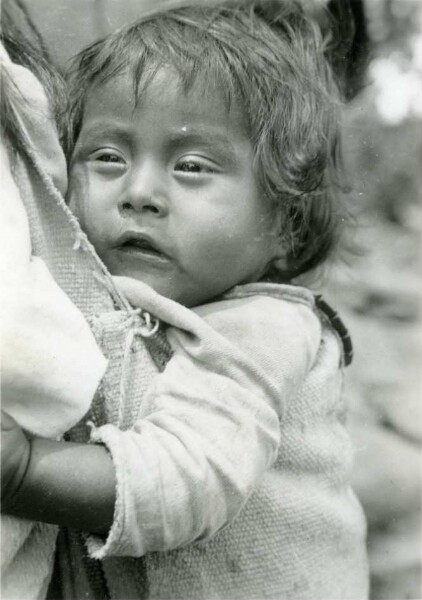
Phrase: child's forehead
pixel 163 91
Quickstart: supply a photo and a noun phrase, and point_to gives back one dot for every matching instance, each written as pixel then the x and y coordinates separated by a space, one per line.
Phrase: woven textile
pixel 40 232
pixel 301 533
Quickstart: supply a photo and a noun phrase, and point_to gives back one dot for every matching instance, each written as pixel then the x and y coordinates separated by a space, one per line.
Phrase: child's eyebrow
pixel 206 138
pixel 114 129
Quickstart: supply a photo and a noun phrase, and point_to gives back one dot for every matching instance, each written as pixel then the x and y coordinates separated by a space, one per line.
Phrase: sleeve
pixel 210 426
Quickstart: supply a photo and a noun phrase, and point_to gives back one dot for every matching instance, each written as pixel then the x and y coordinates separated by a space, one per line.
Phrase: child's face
pixel 165 189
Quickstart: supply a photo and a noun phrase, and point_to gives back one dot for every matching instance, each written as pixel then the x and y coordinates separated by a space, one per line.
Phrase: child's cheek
pixel 78 191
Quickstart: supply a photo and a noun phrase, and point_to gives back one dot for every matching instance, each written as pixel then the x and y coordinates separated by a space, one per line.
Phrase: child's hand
pixel 15 455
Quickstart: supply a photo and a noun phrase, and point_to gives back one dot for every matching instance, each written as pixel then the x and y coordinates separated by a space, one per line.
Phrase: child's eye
pixel 194 166
pixel 108 161
pixel 108 157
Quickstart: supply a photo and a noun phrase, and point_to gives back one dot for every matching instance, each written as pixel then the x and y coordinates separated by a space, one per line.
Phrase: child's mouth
pixel 141 247
pixel 140 244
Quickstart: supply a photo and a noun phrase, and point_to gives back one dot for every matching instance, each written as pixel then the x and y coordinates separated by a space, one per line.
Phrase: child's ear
pixel 280 261
pixel 281 242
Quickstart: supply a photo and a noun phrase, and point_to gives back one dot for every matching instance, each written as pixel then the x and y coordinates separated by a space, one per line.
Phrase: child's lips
pixel 142 246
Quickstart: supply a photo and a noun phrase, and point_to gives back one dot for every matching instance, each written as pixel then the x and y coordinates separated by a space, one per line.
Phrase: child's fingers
pixel 15 452
pixel 7 422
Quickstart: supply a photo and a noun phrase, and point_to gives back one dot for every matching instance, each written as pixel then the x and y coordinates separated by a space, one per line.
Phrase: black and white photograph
pixel 211 341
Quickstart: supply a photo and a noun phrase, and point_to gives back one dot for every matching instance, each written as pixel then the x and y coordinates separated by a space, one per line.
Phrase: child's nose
pixel 145 194
pixel 143 204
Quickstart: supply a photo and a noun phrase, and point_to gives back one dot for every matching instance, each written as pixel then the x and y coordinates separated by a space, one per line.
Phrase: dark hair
pixel 271 56
pixel 25 48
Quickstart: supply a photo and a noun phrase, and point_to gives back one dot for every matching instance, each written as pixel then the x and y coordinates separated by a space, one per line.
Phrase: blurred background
pixel 377 287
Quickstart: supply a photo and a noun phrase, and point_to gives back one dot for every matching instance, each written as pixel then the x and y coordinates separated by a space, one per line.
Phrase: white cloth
pixel 239 446
pixel 51 364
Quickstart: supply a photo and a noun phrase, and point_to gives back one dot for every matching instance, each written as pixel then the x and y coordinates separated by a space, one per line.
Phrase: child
pixel 204 148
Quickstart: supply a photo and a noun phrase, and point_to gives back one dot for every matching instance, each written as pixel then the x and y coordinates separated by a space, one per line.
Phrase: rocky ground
pixel 383 388
pixel 379 297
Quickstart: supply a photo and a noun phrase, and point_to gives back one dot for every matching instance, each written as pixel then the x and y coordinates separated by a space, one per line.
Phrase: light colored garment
pixel 51 364
pixel 233 471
